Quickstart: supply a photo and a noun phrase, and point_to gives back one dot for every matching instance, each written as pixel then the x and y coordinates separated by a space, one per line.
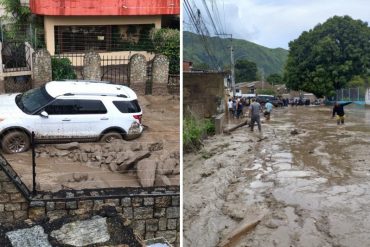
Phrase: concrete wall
pixel 51 21
pixel 203 93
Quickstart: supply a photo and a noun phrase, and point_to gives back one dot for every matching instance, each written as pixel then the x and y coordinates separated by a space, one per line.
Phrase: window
pixel 62 107
pixel 33 100
pixel 127 106
pixel 91 107
pixel 103 38
pixel 73 107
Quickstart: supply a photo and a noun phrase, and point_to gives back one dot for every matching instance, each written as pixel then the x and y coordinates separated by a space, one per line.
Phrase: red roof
pixel 105 7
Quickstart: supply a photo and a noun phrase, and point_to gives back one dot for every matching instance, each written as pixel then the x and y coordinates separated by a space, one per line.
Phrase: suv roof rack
pixel 96 94
pixel 92 81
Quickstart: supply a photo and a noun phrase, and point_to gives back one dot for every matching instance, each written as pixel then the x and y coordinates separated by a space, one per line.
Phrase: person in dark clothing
pixel 339 110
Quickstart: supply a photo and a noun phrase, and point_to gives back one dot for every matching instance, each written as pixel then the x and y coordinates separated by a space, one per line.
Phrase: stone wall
pixel 91 68
pixel 137 73
pixel 203 93
pixel 149 215
pixel 13 206
pixel 151 212
pixel 160 72
pixel 41 67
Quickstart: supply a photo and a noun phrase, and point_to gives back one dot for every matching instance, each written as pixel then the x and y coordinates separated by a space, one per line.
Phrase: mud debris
pixel 313 182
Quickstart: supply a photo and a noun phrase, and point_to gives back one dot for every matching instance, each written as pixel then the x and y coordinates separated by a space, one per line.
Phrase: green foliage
pixel 201 66
pixel 245 71
pixel 144 43
pixel 17 18
pixel 328 56
pixel 357 81
pixel 62 69
pixel 268 91
pixel 270 60
pixel 195 130
pixel 17 13
pixel 167 42
pixel 275 79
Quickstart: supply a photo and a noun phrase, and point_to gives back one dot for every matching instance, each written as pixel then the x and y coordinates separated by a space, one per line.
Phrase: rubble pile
pixel 152 165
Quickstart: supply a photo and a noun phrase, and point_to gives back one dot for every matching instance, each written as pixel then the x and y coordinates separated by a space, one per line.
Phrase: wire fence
pixel 351 94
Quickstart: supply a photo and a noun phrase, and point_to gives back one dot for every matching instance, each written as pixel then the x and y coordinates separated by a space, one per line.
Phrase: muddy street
pixel 96 165
pixel 306 182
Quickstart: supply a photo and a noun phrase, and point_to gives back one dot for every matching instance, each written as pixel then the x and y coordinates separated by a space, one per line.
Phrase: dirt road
pixel 312 187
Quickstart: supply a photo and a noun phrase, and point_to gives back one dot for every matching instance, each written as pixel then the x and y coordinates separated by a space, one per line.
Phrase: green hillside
pixel 270 60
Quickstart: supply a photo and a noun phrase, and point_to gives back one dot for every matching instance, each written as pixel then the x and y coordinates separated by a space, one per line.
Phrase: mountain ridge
pixel 268 60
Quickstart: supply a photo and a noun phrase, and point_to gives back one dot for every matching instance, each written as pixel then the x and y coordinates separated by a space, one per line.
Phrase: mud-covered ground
pixel 311 188
pixel 59 170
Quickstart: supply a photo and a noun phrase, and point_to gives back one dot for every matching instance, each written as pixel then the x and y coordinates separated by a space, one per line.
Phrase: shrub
pixel 195 131
pixel 167 42
pixel 62 69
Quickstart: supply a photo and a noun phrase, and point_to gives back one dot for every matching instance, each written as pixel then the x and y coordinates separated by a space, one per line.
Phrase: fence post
pixel 358 94
pixel 33 143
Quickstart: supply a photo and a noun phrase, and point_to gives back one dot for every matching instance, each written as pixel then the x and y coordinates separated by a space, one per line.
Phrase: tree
pixel 201 66
pixel 275 79
pixel 245 71
pixel 167 42
pixel 328 56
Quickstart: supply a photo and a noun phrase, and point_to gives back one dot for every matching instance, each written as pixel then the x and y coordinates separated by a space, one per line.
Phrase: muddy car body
pixel 64 111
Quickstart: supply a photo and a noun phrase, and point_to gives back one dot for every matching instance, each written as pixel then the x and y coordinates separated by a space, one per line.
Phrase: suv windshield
pixel 33 100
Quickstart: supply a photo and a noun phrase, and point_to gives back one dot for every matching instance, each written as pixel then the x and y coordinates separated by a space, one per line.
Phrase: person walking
pixel 339 110
pixel 230 107
pixel 254 112
pixel 268 110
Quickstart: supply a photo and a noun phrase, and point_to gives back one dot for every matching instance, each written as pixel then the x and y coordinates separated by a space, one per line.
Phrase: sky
pixel 274 23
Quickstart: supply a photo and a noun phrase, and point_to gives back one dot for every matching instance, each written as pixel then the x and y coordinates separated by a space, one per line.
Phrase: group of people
pixel 255 108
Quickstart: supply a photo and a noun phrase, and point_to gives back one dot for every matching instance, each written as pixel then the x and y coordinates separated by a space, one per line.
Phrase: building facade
pixel 106 26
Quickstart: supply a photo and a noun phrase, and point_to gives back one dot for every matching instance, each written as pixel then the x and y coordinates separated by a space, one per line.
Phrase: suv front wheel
pixel 15 142
pixel 110 136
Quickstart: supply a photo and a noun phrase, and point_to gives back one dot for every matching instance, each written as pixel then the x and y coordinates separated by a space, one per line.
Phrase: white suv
pixel 66 111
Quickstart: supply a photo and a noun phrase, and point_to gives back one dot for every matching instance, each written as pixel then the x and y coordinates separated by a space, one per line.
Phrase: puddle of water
pixel 255 166
pixel 282 166
pixel 294 174
pixel 259 184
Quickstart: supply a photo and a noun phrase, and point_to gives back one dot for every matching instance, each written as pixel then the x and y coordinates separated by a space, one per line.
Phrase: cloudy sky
pixel 273 23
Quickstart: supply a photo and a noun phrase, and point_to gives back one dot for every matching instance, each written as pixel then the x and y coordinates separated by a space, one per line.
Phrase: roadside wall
pixel 13 206
pixel 203 93
pixel 151 212
pixel 149 215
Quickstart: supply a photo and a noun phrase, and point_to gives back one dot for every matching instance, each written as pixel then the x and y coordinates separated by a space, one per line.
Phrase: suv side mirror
pixel 44 114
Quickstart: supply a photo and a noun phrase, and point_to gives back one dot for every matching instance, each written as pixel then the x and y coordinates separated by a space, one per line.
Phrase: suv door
pixel 52 126
pixel 91 119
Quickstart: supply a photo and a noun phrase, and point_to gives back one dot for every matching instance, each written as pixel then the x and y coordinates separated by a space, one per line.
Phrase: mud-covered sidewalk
pixel 310 186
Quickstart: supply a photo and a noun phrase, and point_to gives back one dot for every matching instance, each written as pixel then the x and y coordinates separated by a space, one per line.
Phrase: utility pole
pixel 232 67
pixel 232 62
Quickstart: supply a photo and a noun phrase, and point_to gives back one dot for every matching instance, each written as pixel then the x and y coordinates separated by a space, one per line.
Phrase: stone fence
pixel 137 77
pixel 150 212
